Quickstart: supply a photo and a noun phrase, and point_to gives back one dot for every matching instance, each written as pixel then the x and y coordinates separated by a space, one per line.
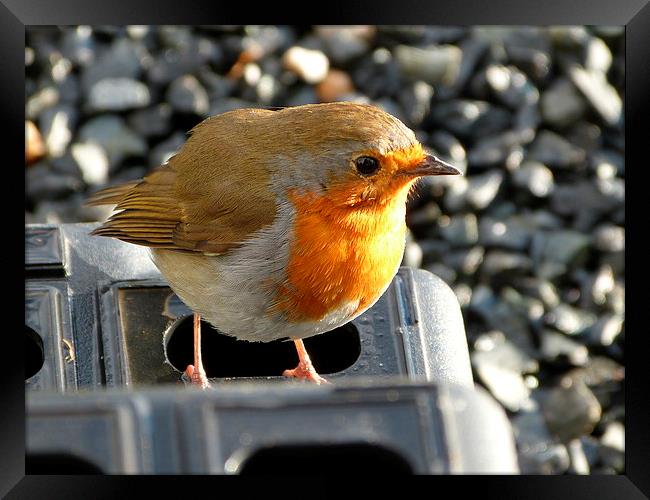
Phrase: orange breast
pixel 340 255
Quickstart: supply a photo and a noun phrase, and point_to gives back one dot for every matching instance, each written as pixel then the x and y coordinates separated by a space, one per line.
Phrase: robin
pixel 274 224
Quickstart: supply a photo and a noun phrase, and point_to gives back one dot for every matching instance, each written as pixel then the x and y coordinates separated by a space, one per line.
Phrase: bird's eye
pixel 367 165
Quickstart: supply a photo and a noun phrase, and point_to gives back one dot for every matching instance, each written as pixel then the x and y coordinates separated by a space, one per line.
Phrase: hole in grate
pixel 225 356
pixel 34 353
pixel 325 459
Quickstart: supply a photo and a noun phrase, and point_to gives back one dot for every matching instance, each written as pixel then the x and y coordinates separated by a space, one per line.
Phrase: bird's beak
pixel 432 165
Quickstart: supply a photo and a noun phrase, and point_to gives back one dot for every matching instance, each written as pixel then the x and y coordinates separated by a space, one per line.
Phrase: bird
pixel 277 224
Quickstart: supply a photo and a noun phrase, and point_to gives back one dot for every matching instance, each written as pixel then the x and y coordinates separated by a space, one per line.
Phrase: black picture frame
pixel 15 15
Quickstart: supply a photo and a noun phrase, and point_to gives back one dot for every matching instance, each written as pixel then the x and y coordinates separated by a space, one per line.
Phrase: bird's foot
pixel 197 377
pixel 307 372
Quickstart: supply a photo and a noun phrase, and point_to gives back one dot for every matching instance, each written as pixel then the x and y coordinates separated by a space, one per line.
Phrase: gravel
pixel 531 238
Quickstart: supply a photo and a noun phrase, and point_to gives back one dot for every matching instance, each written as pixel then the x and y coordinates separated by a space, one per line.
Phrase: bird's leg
pixel 305 369
pixel 195 372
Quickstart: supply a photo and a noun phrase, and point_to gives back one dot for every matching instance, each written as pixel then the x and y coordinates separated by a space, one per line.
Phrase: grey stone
pixel 579 461
pixel 465 261
pixel 538 454
pixel 559 251
pixel 483 188
pixel 121 60
pixel 510 86
pixel 57 125
pixel 598 57
pixel 539 289
pixel 182 60
pixel 310 65
pixel 526 307
pixel 494 348
pixel 596 286
pixel 584 200
pixel 557 347
pixel 607 163
pixel 117 139
pixel 343 44
pixel 535 178
pixel 494 150
pixel 154 121
pixel 497 262
pixel 570 320
pixel 42 183
pixel 561 104
pixel 436 64
pixel 117 94
pixel 455 196
pixel 187 95
pixel 554 151
pixel 526 121
pixel 602 96
pixel 505 384
pixel 78 45
pixel 571 410
pixel 529 49
pixel 605 330
pixel 512 233
pixel 41 100
pixel 459 230
pixel 415 99
pixel 471 119
pixel 93 162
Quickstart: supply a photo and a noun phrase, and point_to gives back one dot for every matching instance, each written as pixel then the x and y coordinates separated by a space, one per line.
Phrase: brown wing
pixel 197 202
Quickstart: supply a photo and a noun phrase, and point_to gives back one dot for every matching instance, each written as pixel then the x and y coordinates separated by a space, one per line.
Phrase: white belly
pixel 234 291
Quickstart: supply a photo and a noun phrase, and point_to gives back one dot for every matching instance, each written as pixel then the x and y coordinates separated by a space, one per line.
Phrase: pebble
pixel 42 183
pixel 512 233
pixel 187 95
pixel 41 100
pixel 459 230
pixel 470 119
pixel 154 121
pixel 571 410
pixel 117 94
pixel 561 104
pixel 466 260
pixel 34 145
pixel 483 189
pixel 510 86
pixel 570 320
pixel 606 330
pixel 557 347
pixel 556 252
pixel 538 454
pixel 602 96
pixel 554 151
pixel 121 60
pixel 609 238
pixel 334 85
pixel 436 64
pixel 535 178
pixel 58 124
pixel 579 461
pixel 310 65
pixel 117 139
pixel 507 386
pixel 344 44
pixel 92 161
